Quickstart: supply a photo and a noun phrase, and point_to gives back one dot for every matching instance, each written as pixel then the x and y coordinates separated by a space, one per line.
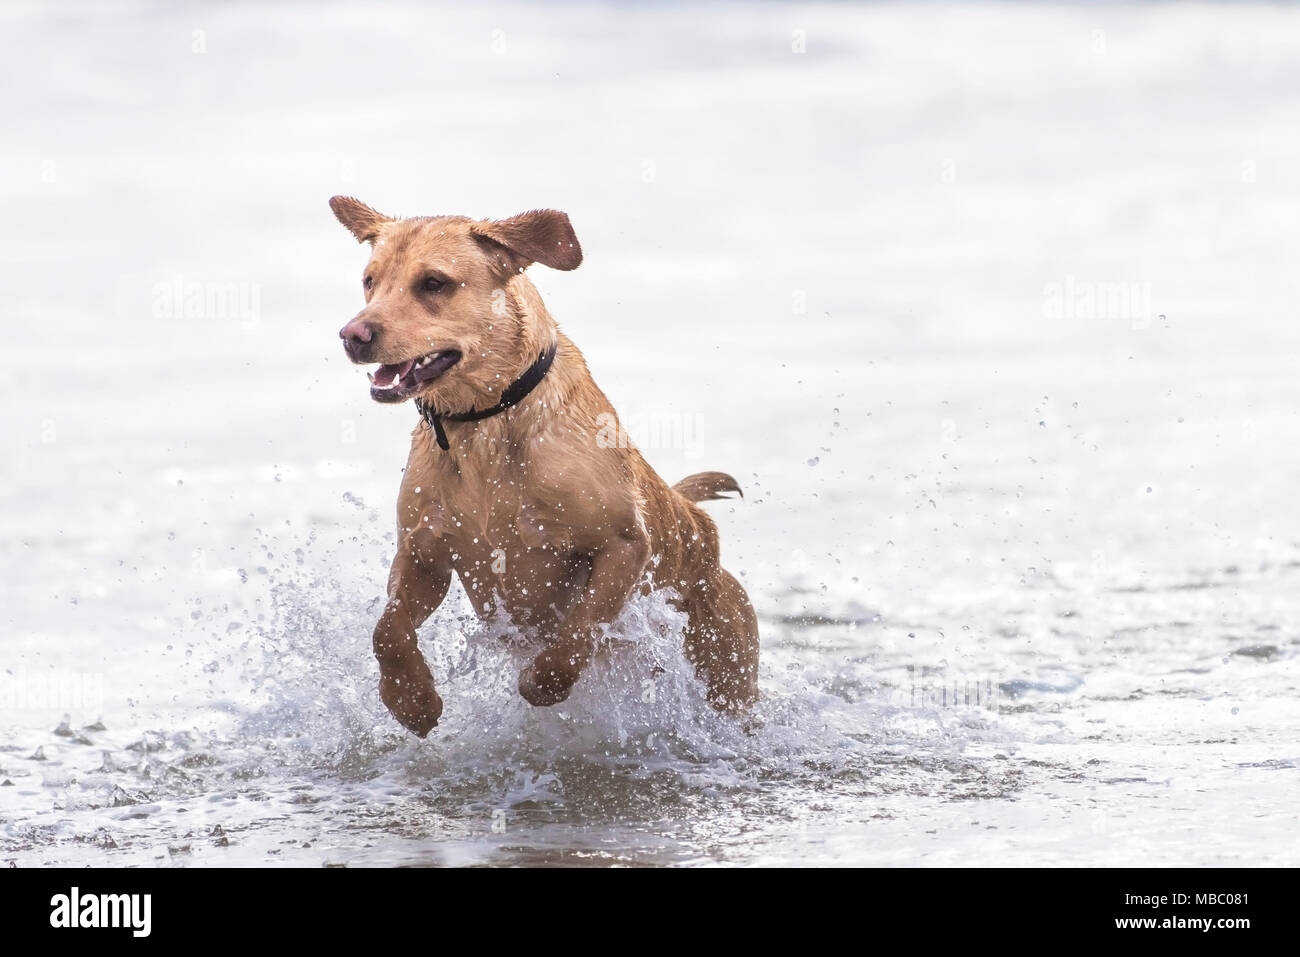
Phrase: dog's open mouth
pixel 401 380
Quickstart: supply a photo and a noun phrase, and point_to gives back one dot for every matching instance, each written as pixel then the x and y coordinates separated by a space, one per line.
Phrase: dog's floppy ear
pixel 362 221
pixel 541 235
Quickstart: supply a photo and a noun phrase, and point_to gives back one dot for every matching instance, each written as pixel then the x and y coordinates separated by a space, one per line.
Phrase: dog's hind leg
pixel 417 584
pixel 722 642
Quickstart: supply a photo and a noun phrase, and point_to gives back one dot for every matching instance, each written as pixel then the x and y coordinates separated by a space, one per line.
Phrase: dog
pixel 512 483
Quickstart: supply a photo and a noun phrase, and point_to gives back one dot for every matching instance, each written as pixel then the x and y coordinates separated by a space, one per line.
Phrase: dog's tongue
pixel 386 374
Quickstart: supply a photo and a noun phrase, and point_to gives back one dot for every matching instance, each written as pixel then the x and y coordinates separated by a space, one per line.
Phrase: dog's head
pixel 443 316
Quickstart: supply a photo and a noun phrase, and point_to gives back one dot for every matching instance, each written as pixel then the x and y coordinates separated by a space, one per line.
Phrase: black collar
pixel 515 393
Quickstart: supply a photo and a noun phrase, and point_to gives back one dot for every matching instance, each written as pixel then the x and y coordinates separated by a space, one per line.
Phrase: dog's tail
pixel 703 486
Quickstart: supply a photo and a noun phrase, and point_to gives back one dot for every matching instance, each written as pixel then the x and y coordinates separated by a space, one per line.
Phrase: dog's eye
pixel 368 283
pixel 432 284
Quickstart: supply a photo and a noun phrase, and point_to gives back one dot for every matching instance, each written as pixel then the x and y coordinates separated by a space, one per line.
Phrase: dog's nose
pixel 358 337
pixel 357 332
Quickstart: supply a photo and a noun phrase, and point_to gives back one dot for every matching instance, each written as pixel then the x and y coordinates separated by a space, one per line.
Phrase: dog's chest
pixel 502 549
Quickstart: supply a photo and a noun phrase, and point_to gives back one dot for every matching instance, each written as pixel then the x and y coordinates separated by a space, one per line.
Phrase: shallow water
pixel 1026 571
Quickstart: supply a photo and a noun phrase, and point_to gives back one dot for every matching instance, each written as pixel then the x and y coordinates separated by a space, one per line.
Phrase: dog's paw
pixel 412 700
pixel 544 683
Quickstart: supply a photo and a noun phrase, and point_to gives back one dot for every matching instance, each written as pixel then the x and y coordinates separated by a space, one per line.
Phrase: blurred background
pixel 989 306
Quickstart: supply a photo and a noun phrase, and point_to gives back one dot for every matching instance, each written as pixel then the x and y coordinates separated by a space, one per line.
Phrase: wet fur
pixel 534 510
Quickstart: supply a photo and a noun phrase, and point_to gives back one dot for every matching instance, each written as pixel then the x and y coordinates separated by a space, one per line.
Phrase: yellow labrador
pixel 512 484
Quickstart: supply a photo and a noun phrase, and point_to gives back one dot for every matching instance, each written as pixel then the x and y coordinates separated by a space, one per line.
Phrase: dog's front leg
pixel 417 584
pixel 615 570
